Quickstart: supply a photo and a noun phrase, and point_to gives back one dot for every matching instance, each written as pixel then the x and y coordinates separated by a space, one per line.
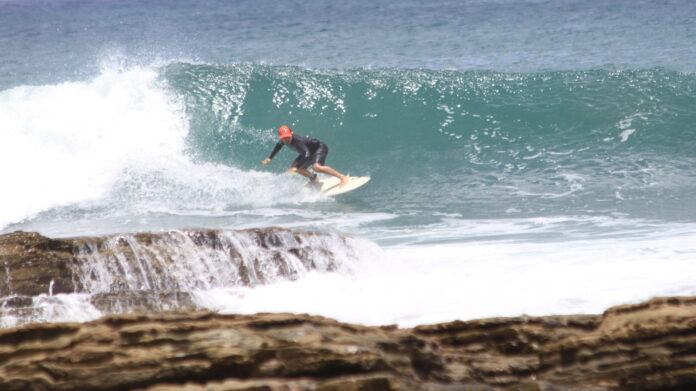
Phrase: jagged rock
pixel 500 351
pixel 142 301
pixel 31 264
pixel 153 271
pixel 649 346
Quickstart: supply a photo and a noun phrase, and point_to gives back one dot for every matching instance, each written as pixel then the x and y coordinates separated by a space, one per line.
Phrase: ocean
pixel 527 156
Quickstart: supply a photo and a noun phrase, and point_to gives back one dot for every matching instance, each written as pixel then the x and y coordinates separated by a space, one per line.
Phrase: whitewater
pixel 502 184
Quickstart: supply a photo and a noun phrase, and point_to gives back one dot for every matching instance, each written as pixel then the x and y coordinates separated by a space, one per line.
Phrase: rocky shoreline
pixel 142 346
pixel 150 272
pixel 649 346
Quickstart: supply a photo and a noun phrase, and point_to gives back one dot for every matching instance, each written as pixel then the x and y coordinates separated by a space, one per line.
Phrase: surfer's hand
pixel 265 161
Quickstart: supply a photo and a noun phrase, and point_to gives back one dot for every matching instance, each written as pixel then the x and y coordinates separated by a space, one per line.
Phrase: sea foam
pixel 115 143
pixel 67 143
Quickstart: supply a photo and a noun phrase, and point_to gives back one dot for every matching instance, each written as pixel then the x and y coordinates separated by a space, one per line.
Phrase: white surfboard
pixel 329 185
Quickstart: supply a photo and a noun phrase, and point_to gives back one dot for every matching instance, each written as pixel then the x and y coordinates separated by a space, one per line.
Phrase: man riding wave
pixel 311 151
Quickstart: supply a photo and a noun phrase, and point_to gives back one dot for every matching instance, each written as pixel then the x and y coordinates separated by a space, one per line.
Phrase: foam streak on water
pixel 52 308
pixel 419 284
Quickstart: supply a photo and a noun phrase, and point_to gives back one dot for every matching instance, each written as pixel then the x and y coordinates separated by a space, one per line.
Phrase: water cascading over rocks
pixel 146 272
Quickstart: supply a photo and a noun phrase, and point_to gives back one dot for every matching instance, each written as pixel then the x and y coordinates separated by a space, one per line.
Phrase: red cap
pixel 284 131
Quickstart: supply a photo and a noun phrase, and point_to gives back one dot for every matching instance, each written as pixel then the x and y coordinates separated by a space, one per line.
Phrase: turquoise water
pixel 481 144
pixel 508 141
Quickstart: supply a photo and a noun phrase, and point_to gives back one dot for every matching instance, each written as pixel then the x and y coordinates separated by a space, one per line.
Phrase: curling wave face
pixel 185 139
pixel 482 144
pixel 110 147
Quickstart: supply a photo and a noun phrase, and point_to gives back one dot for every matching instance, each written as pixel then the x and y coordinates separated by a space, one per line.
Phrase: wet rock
pixel 16 302
pixel 142 301
pixel 150 272
pixel 31 264
pixel 647 346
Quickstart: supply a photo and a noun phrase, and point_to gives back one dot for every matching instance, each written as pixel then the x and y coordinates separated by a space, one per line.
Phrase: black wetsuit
pixel 310 149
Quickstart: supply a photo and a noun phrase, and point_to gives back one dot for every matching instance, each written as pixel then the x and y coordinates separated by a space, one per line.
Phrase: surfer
pixel 311 151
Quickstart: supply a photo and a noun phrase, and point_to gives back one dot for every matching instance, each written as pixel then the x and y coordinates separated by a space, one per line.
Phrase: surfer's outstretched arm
pixel 277 148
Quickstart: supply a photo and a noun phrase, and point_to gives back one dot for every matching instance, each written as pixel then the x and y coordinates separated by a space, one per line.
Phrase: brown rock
pixel 649 346
pixel 146 301
pixel 646 346
pixel 149 272
pixel 31 264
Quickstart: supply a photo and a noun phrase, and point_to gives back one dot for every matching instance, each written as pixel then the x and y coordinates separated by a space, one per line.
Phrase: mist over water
pixel 511 144
pixel 67 142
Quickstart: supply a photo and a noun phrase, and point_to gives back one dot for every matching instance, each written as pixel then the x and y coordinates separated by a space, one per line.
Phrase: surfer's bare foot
pixel 344 181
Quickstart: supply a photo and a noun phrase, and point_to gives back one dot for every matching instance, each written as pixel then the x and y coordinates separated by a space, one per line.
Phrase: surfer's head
pixel 284 133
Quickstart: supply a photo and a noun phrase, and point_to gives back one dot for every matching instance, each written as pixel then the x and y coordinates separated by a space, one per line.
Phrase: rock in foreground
pixel 152 272
pixel 650 346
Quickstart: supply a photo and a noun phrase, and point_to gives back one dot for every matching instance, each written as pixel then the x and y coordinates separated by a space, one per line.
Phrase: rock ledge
pixel 648 346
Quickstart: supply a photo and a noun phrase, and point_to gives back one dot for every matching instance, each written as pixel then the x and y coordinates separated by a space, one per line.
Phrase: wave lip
pixel 67 143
